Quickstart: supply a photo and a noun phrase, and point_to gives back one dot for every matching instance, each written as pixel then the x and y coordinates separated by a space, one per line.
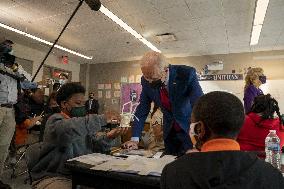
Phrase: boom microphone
pixel 94 4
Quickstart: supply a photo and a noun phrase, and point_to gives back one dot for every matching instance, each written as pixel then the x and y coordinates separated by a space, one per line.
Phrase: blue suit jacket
pixel 184 90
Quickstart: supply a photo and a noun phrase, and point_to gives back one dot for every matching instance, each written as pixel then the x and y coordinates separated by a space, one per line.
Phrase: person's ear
pixel 201 131
pixel 63 105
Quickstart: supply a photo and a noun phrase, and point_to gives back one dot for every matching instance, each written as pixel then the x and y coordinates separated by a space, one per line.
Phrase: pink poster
pixel 128 92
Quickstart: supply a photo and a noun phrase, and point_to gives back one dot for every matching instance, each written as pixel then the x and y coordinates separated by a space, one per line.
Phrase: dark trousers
pixel 177 143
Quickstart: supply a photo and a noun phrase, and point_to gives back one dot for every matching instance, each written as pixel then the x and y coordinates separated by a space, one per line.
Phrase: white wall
pixel 37 56
pixel 273 87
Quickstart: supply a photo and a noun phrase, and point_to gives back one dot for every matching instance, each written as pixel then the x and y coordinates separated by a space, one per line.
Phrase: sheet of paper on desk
pixel 155 167
pixel 92 159
pixel 141 152
pixel 142 167
pixel 119 165
pixel 132 164
pixel 136 164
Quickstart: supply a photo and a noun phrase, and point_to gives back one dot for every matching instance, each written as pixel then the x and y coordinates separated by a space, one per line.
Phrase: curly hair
pixel 68 90
pixel 252 77
pixel 267 106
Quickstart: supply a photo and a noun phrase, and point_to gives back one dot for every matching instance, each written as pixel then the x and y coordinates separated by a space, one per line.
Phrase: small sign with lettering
pixel 221 77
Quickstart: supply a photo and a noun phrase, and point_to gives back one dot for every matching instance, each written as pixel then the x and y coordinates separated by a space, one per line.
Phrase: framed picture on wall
pixel 53 73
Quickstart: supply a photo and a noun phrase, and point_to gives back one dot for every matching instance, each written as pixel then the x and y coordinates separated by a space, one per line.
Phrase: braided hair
pixel 267 106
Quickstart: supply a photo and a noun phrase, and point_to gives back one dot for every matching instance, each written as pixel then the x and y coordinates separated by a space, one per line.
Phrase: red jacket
pixel 254 131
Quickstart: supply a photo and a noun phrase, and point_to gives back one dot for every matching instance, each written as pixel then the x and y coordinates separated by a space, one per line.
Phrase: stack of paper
pixel 119 165
pixel 133 164
pixel 93 159
pixel 136 164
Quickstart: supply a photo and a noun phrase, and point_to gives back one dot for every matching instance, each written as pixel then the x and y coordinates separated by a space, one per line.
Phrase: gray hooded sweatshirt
pixel 66 138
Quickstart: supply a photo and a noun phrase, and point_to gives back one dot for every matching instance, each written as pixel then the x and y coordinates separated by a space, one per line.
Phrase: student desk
pixel 83 175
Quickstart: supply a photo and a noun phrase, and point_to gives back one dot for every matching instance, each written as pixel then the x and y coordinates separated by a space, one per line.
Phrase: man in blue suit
pixel 175 89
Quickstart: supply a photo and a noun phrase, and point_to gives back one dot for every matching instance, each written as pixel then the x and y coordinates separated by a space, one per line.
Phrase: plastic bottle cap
pixel 272 131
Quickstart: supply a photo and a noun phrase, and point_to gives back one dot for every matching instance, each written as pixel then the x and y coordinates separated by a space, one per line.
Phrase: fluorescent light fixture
pixel 44 41
pixel 259 15
pixel 260 11
pixel 256 30
pixel 122 24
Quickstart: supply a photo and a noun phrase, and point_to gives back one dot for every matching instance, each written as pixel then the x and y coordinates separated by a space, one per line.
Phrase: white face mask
pixel 62 81
pixel 192 133
pixel 11 52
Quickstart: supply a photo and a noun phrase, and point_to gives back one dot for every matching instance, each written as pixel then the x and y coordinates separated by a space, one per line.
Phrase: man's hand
pixel 131 145
pixel 192 151
pixel 117 132
pixel 35 120
pixel 112 117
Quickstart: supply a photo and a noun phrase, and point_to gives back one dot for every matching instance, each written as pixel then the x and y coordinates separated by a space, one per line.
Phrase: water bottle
pixel 282 159
pixel 272 149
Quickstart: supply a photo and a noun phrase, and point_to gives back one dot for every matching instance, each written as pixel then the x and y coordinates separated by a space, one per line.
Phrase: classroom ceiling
pixel 201 27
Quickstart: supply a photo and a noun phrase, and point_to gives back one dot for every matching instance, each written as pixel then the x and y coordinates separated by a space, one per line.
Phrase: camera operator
pixel 9 82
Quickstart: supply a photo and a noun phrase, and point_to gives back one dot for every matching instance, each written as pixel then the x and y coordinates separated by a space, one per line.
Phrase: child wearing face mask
pixel 253 80
pixel 220 163
pixel 69 134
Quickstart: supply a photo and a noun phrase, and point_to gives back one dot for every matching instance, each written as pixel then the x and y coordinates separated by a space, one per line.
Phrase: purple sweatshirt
pixel 250 93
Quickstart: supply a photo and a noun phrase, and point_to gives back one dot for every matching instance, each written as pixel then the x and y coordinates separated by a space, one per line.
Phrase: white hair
pixel 153 58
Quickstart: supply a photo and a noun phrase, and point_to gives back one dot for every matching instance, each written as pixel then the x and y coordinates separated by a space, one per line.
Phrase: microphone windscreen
pixel 94 4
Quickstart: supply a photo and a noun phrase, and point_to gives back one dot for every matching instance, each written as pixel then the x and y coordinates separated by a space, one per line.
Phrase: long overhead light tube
pixel 259 16
pixel 106 12
pixel 44 41
pixel 125 26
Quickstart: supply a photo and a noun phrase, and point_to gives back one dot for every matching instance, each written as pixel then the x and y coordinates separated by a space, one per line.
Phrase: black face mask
pixel 4 49
pixel 156 84
pixel 262 79
pixel 55 109
pixel 7 59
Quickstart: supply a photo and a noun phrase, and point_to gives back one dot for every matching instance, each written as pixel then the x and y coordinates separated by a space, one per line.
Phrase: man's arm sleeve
pixel 141 114
pixel 195 90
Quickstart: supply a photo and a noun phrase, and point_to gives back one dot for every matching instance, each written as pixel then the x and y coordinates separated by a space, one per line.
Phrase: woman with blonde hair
pixel 254 79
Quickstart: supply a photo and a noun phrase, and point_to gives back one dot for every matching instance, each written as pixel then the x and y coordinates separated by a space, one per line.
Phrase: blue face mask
pixel 262 79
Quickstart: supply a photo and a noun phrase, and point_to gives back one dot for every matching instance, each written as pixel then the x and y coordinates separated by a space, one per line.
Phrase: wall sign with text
pixel 220 77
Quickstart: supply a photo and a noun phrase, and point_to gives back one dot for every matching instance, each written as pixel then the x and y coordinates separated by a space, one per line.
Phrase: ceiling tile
pixel 237 6
pixel 208 22
pixel 204 8
pixel 201 26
